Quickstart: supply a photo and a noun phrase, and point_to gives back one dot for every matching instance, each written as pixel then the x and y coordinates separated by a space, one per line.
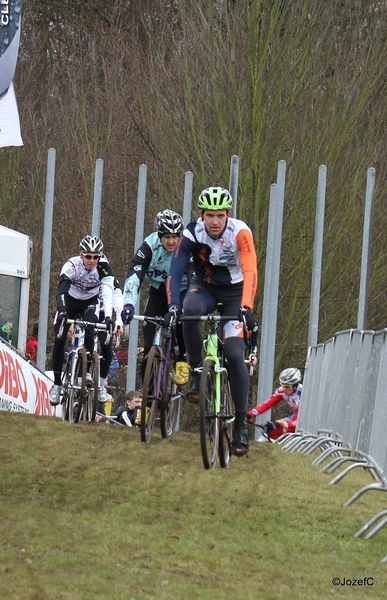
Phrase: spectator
pixel 32 344
pixel 6 332
pixel 290 391
pixel 3 320
pixel 129 413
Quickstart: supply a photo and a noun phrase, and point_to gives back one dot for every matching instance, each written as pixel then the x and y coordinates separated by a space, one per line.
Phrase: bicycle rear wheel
pixel 209 424
pixel 150 395
pixel 226 425
pixel 76 392
pixel 170 405
pixel 91 398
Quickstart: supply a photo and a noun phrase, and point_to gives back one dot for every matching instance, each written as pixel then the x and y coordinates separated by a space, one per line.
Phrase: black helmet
pixel 168 221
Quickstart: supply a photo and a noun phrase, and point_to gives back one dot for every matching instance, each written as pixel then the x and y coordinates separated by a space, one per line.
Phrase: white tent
pixel 15 265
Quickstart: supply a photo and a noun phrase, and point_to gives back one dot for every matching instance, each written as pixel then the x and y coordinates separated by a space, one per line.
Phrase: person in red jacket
pixel 32 344
pixel 290 391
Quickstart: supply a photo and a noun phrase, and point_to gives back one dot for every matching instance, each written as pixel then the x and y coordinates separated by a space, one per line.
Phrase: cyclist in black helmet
pixel 80 280
pixel 225 266
pixel 151 262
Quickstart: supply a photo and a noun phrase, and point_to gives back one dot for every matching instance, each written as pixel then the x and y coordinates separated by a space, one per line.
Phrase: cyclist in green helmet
pixel 225 271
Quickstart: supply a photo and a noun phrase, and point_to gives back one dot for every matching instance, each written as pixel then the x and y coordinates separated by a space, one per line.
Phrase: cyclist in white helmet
pixel 226 272
pixel 290 391
pixel 80 280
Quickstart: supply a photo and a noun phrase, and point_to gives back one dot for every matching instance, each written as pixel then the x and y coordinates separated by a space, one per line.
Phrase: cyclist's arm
pixel 118 303
pixel 248 260
pixel 106 276
pixel 62 291
pixel 136 273
pixel 264 406
pixel 177 269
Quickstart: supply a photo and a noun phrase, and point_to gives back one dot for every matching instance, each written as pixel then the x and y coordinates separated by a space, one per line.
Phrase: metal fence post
pixel 46 261
pixel 317 257
pixel 139 235
pixel 365 258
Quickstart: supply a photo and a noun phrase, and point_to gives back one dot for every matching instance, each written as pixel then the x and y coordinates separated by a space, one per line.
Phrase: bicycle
pixel 216 412
pixel 79 396
pixel 160 393
pixel 262 429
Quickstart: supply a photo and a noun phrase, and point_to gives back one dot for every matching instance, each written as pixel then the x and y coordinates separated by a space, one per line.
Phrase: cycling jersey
pixel 292 400
pixel 82 284
pixel 151 262
pixel 223 261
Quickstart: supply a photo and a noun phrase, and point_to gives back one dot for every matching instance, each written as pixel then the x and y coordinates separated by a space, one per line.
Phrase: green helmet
pixel 215 198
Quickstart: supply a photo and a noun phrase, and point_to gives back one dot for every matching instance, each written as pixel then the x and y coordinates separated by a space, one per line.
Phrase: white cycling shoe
pixel 55 395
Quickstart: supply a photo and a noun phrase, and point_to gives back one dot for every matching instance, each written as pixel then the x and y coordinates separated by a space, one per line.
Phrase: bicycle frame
pixel 212 346
pixel 70 377
pixel 162 393
pixel 216 413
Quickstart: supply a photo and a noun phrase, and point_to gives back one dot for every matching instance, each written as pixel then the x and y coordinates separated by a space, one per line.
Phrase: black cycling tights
pixel 74 307
pixel 202 302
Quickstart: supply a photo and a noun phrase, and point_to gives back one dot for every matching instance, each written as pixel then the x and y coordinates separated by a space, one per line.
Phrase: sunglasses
pixel 287 387
pixel 92 256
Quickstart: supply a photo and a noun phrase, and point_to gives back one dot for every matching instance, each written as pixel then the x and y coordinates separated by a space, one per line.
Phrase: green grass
pixel 87 511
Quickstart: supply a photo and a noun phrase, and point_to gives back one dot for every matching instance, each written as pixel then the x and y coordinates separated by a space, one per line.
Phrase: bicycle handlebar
pixel 158 320
pixel 99 326
pixel 209 317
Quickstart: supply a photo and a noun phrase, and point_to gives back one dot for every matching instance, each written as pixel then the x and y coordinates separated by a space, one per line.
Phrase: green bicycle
pixel 216 412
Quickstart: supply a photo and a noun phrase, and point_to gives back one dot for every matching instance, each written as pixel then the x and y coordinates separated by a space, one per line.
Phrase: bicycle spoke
pixel 226 423
pixel 209 424
pixel 150 395
pixel 77 388
pixel 91 396
pixel 170 406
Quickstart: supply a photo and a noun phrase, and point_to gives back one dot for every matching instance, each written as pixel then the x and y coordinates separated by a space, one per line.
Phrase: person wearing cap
pixel 289 391
pixel 225 271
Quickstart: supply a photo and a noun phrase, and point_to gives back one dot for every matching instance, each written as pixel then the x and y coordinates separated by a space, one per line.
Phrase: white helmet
pixel 291 376
pixel 91 243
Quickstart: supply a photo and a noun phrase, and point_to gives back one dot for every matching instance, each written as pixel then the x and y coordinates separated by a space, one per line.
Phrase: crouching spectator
pixel 129 413
pixel 290 391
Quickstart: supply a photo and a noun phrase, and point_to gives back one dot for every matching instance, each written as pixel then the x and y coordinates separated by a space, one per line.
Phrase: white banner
pixel 9 120
pixel 10 22
pixel 23 388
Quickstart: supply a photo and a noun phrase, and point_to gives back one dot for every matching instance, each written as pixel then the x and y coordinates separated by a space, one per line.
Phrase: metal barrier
pixel 343 412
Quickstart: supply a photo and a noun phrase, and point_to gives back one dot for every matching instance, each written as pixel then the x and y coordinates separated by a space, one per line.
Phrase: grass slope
pixel 87 511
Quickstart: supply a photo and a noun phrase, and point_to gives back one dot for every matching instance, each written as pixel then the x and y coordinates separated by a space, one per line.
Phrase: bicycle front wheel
pixel 92 390
pixel 226 423
pixel 170 406
pixel 150 395
pixel 77 388
pixel 209 426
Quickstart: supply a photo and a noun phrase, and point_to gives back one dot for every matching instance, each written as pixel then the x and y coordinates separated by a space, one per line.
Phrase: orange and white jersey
pixel 222 261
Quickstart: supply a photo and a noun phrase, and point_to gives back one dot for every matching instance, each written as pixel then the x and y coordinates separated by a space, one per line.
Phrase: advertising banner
pixel 23 388
pixel 10 23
